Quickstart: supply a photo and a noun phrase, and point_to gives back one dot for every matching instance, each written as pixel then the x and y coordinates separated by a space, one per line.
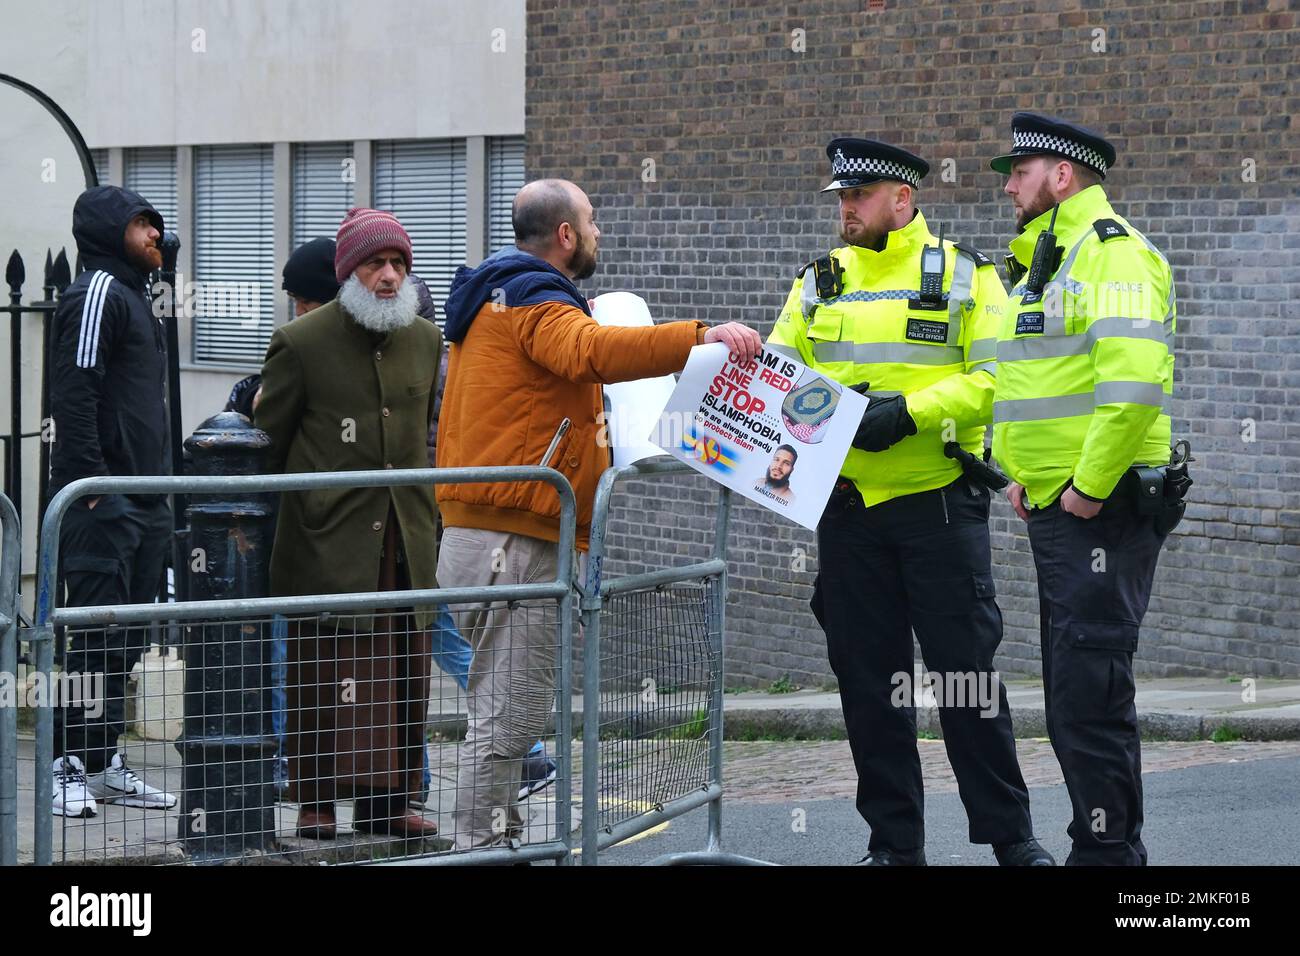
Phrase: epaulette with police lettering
pixel 973 253
pixel 1108 229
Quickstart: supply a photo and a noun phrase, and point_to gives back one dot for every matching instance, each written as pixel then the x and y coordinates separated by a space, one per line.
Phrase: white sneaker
pixel 118 784
pixel 70 796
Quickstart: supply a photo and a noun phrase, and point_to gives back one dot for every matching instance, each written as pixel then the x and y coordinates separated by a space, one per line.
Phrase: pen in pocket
pixel 550 449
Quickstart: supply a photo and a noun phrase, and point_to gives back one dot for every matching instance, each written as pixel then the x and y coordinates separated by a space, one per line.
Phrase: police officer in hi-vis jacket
pixel 1084 374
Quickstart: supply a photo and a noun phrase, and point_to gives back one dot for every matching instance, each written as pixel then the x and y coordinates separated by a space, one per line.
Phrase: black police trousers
pixel 110 554
pixel 919 563
pixel 1094 582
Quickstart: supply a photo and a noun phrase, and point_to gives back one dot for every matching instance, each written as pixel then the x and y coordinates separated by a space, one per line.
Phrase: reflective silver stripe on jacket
pixel 983 354
pixel 1136 393
pixel 1054 321
pixel 808 300
pixel 1066 406
pixel 1059 346
pixel 785 350
pixel 874 353
pixel 963 274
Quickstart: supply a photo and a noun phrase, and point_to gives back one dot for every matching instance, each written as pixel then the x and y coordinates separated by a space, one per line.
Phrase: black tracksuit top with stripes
pixel 107 353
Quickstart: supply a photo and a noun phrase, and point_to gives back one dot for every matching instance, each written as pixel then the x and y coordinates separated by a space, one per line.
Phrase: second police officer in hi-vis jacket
pixel 1085 370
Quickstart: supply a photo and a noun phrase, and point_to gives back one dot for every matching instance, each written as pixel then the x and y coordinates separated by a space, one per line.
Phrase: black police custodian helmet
pixel 861 162
pixel 1033 134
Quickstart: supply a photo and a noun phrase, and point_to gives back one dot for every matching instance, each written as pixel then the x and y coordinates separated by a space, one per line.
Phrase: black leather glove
pixel 884 423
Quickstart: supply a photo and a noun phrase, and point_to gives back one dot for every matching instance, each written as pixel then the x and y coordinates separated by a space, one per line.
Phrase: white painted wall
pixel 191 72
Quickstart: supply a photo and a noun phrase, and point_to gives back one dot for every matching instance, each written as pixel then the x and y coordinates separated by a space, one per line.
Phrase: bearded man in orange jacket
pixel 526 355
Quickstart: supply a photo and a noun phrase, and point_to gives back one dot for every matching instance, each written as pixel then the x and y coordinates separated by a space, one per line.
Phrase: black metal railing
pixel 58 276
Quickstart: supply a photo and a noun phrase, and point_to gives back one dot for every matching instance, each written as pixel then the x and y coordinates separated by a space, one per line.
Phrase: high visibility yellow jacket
pixel 1085 372
pixel 877 330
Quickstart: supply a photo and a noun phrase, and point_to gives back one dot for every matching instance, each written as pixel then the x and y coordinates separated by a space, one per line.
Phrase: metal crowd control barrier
pixel 10 570
pixel 203 617
pixel 652 690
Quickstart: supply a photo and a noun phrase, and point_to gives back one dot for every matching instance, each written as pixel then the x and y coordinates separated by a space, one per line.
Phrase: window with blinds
pixel 152 173
pixel 234 258
pixel 100 158
pixel 422 183
pixel 324 187
pixel 505 178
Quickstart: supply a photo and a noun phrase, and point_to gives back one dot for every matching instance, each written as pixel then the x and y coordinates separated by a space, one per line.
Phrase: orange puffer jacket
pixel 515 376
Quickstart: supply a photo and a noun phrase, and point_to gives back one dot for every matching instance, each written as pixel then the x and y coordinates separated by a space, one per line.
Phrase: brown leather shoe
pixel 317 824
pixel 412 826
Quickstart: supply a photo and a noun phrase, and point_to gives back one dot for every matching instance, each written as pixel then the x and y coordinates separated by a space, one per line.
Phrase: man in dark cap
pixel 911 321
pixel 1085 374
pixel 308 277
pixel 108 364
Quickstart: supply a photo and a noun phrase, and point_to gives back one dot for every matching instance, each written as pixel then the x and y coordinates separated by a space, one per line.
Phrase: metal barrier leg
pixel 591 716
pixel 43 664
pixel 664 798
pixel 713 854
pixel 10 571
pixel 564 731
pixel 717 626
pixel 9 745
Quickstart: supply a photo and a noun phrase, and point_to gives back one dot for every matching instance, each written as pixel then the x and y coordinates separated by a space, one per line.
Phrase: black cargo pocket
pixel 984 585
pixel 94 580
pixel 1103 635
pixel 92 564
pixel 1093 683
pixel 955 595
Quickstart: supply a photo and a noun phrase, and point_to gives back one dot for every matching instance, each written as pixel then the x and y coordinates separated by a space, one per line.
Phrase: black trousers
pixel 920 563
pixel 1094 583
pixel 111 554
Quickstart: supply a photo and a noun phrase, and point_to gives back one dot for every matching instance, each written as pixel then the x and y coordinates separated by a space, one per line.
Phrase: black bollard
pixel 227 809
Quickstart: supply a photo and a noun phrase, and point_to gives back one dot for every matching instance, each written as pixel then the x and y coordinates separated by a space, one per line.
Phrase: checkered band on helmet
pixel 1027 139
pixel 842 165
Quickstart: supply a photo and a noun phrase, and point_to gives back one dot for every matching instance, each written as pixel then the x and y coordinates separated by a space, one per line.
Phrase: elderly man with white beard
pixel 348 387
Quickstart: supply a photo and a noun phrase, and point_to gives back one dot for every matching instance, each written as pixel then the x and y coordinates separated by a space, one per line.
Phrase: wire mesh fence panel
pixel 335 738
pixel 659 669
pixel 334 731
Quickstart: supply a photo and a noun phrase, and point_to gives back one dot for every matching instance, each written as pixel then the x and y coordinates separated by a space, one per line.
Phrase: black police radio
pixel 932 262
pixel 1046 260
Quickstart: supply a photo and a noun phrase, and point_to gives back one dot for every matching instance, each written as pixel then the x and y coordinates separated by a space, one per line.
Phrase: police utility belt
pixel 1158 491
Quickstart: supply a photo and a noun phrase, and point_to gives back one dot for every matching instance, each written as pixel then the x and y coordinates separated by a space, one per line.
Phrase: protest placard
pixel 772 430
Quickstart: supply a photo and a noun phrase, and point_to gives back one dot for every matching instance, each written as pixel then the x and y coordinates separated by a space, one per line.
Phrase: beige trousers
pixel 511 690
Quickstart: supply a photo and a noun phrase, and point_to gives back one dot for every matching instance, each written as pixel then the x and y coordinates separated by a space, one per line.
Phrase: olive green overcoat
pixel 338 397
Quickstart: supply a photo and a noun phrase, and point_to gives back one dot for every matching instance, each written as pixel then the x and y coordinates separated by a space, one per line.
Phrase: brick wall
pixel 698 130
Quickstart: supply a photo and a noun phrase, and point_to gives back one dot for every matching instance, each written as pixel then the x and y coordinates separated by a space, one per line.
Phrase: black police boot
pixel 1028 853
pixel 893 858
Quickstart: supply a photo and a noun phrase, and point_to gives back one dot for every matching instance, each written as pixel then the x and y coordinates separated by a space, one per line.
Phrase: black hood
pixel 99 221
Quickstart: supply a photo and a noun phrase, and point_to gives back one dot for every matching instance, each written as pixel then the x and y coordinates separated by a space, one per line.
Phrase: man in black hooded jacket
pixel 107 367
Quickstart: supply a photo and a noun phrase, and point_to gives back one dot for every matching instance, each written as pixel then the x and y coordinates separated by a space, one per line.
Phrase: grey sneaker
pixel 119 784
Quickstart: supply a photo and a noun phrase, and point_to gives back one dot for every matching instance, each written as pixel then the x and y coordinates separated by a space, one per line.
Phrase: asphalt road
pixel 1233 813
